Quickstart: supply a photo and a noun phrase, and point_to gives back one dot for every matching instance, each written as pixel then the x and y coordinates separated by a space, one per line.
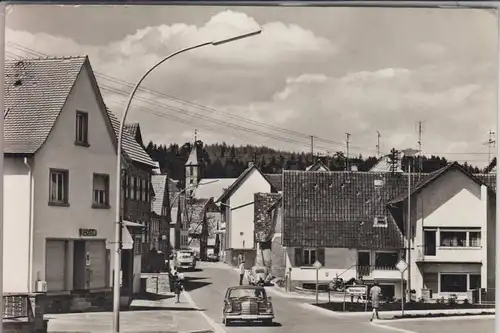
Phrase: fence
pixel 484 296
pixel 17 306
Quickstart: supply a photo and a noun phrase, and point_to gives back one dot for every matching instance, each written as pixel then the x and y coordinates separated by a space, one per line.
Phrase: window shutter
pixel 298 257
pixel 321 256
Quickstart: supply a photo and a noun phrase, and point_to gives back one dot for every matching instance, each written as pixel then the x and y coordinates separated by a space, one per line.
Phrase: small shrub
pixel 452 300
pixel 440 301
pixel 466 301
pixel 421 300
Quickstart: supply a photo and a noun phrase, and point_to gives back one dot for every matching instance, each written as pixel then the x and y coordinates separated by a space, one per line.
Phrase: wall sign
pixel 87 232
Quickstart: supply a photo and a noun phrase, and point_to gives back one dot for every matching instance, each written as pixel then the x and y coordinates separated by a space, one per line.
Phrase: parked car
pixel 212 257
pixel 247 303
pixel 260 275
pixel 184 259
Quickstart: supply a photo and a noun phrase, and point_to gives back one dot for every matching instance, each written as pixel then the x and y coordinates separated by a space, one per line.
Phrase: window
pixel 380 221
pixel 127 187
pixel 140 196
pixel 386 260
pixel 460 238
pixel 454 238
pixel 309 256
pixel 190 170
pixel 100 191
pixel 135 189
pixel 58 187
pixel 475 238
pixel 474 281
pixel 82 128
pixel 454 283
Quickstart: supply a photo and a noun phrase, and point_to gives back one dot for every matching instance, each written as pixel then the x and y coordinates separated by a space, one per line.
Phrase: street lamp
pixel 410 153
pixel 117 254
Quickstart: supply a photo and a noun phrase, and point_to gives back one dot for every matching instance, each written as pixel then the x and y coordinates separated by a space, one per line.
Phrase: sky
pixel 320 72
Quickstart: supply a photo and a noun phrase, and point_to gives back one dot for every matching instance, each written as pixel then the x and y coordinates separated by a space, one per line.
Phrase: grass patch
pixel 439 315
pixel 396 306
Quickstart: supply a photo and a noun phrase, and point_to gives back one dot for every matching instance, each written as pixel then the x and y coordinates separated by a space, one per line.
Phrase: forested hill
pixel 228 161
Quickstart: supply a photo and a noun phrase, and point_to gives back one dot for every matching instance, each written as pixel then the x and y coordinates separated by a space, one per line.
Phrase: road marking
pixel 391 328
pixel 216 327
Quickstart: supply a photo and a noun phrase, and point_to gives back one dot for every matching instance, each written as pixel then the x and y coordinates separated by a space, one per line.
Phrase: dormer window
pixel 82 129
pixel 380 221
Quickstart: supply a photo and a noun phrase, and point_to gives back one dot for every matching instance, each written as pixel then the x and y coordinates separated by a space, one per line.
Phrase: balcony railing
pixel 17 306
pixel 367 270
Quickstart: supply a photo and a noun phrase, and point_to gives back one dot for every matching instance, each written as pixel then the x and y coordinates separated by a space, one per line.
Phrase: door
pixel 96 263
pixel 55 265
pixel 429 242
pixel 79 271
pixel 363 263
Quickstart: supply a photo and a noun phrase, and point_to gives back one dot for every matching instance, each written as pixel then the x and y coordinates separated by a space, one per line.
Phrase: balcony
pixel 452 254
pixel 374 272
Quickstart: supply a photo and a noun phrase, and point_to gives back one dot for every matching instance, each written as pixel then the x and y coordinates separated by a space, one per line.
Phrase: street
pixel 207 286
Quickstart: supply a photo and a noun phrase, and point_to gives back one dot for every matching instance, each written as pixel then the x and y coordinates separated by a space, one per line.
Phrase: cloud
pixel 353 79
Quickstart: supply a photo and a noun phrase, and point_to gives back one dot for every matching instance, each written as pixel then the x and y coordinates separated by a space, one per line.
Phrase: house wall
pixel 241 219
pixel 59 151
pixel 16 228
pixel 453 200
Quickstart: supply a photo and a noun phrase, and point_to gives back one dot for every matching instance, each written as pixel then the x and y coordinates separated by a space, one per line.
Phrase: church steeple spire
pixel 193 164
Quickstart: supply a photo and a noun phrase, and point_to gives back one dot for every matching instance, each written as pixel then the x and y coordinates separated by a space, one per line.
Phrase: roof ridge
pixel 47 58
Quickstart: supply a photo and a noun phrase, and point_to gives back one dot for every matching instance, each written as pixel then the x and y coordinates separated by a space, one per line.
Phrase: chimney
pixel 250 164
pixel 354 168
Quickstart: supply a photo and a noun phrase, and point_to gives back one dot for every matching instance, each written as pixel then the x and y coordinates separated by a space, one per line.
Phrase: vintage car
pixel 184 260
pixel 247 303
pixel 259 276
pixel 212 257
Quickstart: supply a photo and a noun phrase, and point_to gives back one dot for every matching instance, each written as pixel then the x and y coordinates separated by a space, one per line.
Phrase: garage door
pixel 55 260
pixel 98 260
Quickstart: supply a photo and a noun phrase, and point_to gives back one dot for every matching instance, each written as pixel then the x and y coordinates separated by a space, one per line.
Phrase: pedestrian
pixel 375 293
pixel 177 287
pixel 240 258
pixel 242 272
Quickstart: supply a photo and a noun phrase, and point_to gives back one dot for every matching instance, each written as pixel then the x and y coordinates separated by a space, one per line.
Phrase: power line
pixel 189 103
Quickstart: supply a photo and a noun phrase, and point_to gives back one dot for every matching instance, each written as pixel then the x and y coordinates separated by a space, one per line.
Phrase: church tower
pixel 192 166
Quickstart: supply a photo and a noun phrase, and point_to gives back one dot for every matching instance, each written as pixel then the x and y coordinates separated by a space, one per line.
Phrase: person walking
pixel 177 287
pixel 375 294
pixel 242 272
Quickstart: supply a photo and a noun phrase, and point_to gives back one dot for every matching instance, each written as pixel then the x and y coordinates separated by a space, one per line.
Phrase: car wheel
pixel 227 322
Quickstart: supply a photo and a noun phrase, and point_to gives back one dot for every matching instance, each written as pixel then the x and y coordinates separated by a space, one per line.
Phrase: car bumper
pixel 249 317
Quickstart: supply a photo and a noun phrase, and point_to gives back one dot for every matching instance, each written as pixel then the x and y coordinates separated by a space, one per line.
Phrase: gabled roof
pixel 384 165
pixel 337 209
pixel 240 180
pixel 130 146
pixel 193 156
pixel 316 166
pixel 36 91
pixel 435 175
pixel 135 130
pixel 159 184
pixel 213 189
pixel 276 180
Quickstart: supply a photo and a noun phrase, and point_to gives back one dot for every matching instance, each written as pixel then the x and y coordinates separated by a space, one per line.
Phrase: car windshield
pixel 185 254
pixel 247 292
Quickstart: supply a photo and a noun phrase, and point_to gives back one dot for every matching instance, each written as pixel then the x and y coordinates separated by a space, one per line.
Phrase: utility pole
pixel 195 135
pixel 378 144
pixel 491 143
pixel 420 156
pixel 312 148
pixel 348 136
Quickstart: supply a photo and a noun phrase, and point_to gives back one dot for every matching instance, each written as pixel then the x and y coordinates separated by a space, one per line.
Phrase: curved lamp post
pixel 117 254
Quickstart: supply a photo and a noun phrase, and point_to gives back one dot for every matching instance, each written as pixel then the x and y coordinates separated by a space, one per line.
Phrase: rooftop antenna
pixel 491 143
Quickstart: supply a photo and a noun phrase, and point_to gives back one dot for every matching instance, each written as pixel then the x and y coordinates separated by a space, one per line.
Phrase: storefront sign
pixel 357 290
pixel 88 232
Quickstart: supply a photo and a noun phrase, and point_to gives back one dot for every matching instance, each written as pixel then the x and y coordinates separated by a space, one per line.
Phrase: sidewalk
pixel 161 315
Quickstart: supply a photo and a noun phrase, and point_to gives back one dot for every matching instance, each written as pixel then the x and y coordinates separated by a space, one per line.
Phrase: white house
pixel 237 208
pixel 59 179
pixel 452 212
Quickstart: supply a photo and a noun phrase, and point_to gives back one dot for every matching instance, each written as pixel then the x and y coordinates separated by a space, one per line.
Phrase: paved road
pixel 207 288
pixel 470 324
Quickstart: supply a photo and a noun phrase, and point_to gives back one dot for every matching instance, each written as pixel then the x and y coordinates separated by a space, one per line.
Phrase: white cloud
pixel 294 78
